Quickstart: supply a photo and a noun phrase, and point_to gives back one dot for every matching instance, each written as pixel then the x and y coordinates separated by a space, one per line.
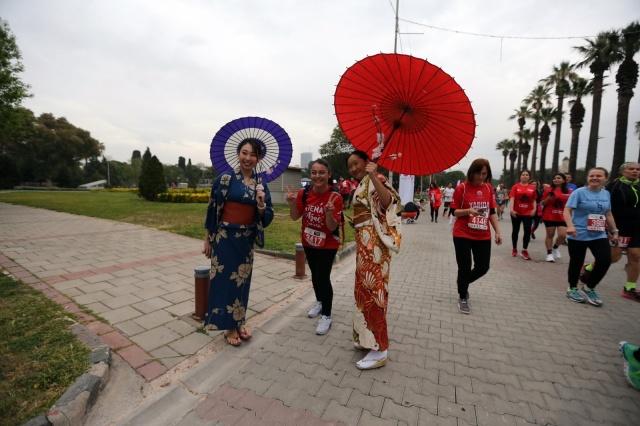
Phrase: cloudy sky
pixel 168 74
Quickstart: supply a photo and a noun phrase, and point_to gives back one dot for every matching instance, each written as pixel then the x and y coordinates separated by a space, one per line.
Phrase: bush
pixel 184 196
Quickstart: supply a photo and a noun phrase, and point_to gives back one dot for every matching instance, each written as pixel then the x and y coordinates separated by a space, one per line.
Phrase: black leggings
pixel 465 249
pixel 601 251
pixel 320 262
pixel 434 213
pixel 526 224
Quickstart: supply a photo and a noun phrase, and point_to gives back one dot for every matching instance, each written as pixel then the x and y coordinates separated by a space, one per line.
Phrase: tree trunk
pixel 556 143
pixel 576 119
pixel 534 155
pixel 592 148
pixel 620 144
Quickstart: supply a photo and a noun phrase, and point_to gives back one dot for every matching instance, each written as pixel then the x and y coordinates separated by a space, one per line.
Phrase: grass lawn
pixel 39 357
pixel 181 218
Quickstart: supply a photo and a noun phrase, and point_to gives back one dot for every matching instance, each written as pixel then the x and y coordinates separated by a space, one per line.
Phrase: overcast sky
pixel 168 74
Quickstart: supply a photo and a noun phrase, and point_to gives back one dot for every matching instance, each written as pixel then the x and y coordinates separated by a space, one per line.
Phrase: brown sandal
pixel 233 340
pixel 244 333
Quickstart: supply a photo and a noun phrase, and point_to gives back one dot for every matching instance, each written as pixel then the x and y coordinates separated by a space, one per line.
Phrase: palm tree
pixel 627 79
pixel 521 115
pixel 579 88
pixel 560 78
pixel 599 55
pixel 527 135
pixel 538 98
pixel 513 155
pixel 546 115
pixel 504 146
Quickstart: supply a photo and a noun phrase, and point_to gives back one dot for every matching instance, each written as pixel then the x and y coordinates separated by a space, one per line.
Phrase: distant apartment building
pixel 305 159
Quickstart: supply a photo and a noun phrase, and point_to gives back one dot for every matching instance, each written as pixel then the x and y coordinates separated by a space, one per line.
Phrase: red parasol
pixel 420 113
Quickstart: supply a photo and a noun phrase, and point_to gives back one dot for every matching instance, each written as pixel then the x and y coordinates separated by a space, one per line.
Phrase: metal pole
pixel 301 260
pixel 395 48
pixel 201 274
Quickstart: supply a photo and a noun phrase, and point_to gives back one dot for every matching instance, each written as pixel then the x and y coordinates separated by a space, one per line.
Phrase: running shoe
pixel 584 274
pixel 631 364
pixel 632 294
pixel 591 296
pixel 525 255
pixel 464 306
pixel 514 252
pixel 550 258
pixel 533 236
pixel 556 253
pixel 575 296
pixel 323 325
pixel 315 310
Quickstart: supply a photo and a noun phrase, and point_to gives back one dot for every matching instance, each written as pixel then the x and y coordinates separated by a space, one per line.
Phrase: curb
pixel 80 397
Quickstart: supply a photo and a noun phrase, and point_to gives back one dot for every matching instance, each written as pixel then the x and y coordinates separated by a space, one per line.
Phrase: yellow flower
pixel 243 272
pixel 237 310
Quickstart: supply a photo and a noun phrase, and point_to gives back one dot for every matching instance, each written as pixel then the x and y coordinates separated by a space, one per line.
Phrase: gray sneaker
pixel 591 296
pixel 464 306
pixel 315 310
pixel 323 325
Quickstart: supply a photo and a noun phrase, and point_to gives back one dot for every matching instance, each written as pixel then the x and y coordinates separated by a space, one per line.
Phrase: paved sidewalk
pixel 526 354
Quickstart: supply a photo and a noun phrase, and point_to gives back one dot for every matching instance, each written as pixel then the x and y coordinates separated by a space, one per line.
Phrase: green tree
pixel 579 87
pixel 181 163
pixel 538 98
pixel 627 79
pixel 136 154
pixel 152 181
pixel 546 115
pixel 560 79
pixel 599 55
pixel 521 115
pixel 505 146
pixel 336 151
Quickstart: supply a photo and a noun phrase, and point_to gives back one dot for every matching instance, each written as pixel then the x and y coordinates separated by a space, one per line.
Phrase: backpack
pixel 336 231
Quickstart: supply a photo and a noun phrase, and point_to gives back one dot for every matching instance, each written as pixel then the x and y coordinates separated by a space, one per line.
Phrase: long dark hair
pixel 563 187
pixel 476 167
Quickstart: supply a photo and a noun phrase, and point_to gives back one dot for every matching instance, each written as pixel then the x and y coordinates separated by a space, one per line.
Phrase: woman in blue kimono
pixel 239 210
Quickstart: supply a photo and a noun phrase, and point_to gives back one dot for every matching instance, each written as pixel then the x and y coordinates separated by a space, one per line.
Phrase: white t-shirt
pixel 448 195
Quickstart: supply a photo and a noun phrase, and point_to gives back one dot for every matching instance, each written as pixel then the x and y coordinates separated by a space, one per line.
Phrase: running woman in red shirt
pixel 522 203
pixel 474 207
pixel 554 199
pixel 321 212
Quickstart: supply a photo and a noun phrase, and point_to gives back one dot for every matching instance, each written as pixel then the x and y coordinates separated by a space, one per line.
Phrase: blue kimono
pixel 232 251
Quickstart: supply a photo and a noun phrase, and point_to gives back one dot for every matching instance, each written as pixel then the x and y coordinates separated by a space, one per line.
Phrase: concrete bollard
pixel 301 261
pixel 201 274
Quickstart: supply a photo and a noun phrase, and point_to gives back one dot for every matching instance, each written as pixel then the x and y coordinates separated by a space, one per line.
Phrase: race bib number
pixel 624 241
pixel 479 222
pixel 596 222
pixel 313 237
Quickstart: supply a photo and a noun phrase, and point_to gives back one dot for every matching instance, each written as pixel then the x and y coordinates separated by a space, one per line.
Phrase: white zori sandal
pixel 374 359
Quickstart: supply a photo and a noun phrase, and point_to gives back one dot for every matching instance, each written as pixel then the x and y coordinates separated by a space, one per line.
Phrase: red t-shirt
pixel 315 233
pixel 345 187
pixel 524 196
pixel 554 208
pixel 468 196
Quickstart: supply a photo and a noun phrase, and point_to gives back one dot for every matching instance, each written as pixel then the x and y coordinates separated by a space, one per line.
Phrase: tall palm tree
pixel 504 145
pixel 627 79
pixel 513 155
pixel 527 135
pixel 546 115
pixel 579 88
pixel 521 115
pixel 599 55
pixel 560 79
pixel 538 98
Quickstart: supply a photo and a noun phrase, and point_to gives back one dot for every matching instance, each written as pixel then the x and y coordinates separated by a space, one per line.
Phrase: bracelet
pixel 262 208
pixel 614 230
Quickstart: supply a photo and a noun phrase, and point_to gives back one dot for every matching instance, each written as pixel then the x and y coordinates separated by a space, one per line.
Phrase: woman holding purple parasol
pixel 239 209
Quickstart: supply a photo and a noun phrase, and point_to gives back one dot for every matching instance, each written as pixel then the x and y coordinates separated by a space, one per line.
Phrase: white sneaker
pixel 556 253
pixel 315 310
pixel 550 258
pixel 323 325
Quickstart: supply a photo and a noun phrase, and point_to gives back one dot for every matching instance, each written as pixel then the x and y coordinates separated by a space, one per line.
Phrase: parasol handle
pixel 396 125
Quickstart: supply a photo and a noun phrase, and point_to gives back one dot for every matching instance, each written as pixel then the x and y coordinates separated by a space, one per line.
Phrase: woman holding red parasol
pixel 375 206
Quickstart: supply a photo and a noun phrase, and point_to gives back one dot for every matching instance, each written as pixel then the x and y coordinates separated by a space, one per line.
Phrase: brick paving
pixel 526 354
